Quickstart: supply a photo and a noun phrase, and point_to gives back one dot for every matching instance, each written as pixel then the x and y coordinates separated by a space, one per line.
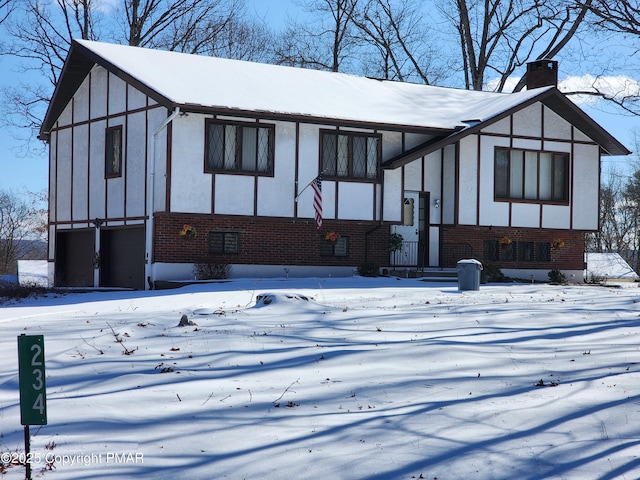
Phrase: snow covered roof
pixel 194 82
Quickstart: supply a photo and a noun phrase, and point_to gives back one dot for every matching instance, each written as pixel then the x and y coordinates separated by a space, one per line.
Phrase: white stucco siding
pixel 580 137
pixel 276 194
pixel 585 187
pixel 234 195
pixel 80 173
pixel 63 175
pixel 81 103
pixel 308 152
pixel 115 197
pixel 525 215
pixel 135 98
pixel 413 175
pixel 556 216
pixel 412 140
pixel 491 212
pixel 66 117
pixel 157 157
pixel 468 197
pixel 528 121
pixel 393 193
pixel 97 182
pixel 53 142
pixel 117 95
pixel 98 92
pixel 448 184
pixel 501 127
pixel 555 126
pixel 434 246
pixel 432 178
pixel 355 201
pixel 135 168
pixel 391 145
pixel 190 187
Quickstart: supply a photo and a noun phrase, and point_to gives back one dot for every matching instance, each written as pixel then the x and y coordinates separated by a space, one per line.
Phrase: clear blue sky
pixel 20 173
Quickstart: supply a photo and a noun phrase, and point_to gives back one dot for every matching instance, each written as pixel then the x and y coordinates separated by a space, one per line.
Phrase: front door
pixel 414 231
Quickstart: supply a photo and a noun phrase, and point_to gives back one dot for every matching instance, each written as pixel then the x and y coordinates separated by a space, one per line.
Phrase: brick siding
pixel 267 241
pixel 468 241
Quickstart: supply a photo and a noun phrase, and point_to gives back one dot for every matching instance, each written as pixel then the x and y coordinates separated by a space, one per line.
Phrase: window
pixel 531 176
pixel 224 242
pixel 350 155
pixel 525 251
pixel 113 152
pixel 334 249
pixel 491 250
pixel 239 147
pixel 543 252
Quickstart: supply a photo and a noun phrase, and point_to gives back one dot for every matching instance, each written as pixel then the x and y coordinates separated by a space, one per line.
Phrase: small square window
pixel 508 252
pixel 339 248
pixel 526 251
pixel 223 242
pixel 543 252
pixel 490 250
pixel 113 152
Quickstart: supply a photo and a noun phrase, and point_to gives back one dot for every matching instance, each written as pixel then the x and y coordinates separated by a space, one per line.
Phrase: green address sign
pixel 33 390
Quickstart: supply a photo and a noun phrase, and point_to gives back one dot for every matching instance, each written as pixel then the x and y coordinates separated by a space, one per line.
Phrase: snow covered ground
pixel 338 378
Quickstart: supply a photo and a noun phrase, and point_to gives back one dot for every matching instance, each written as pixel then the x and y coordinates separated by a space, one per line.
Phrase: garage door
pixel 74 258
pixel 122 257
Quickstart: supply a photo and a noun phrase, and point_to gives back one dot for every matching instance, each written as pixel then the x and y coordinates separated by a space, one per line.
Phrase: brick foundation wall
pixel 267 241
pixel 467 241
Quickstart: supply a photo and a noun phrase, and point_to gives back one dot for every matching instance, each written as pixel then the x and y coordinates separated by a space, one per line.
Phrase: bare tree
pixel 619 18
pixel 241 39
pixel 41 32
pixel 500 36
pixel 325 42
pixel 22 224
pixel 6 7
pixel 182 25
pixel 402 46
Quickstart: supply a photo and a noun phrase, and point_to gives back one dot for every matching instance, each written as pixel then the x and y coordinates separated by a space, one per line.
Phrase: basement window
pixel 339 248
pixel 224 242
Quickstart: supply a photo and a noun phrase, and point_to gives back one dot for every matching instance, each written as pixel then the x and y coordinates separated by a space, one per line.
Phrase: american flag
pixel 316 184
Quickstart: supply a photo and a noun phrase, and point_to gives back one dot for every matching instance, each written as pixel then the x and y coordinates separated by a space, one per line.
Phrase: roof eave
pixel 79 62
pixel 552 98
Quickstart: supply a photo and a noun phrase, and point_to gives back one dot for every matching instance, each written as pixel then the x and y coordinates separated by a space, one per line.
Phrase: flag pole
pixel 308 185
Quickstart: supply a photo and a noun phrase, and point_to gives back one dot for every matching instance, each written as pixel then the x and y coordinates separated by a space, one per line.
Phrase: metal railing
pixel 407 256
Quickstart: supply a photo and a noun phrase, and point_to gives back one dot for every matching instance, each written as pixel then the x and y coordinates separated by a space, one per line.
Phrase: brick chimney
pixel 542 73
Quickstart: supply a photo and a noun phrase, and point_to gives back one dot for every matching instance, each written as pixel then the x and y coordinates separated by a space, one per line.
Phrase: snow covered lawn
pixel 350 378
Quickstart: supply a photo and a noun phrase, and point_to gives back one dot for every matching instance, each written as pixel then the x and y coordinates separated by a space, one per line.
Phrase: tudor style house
pixel 162 160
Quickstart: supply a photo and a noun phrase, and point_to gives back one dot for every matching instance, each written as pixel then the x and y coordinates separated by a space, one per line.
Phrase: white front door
pixel 413 224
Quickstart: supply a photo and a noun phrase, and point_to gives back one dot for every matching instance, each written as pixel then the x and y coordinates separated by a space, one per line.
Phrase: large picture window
pixel 113 152
pixel 350 155
pixel 531 176
pixel 239 147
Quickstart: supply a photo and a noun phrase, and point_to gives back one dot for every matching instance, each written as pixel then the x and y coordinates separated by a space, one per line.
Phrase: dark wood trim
pixel 71 160
pixel 478 177
pixel 296 171
pixel 169 165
